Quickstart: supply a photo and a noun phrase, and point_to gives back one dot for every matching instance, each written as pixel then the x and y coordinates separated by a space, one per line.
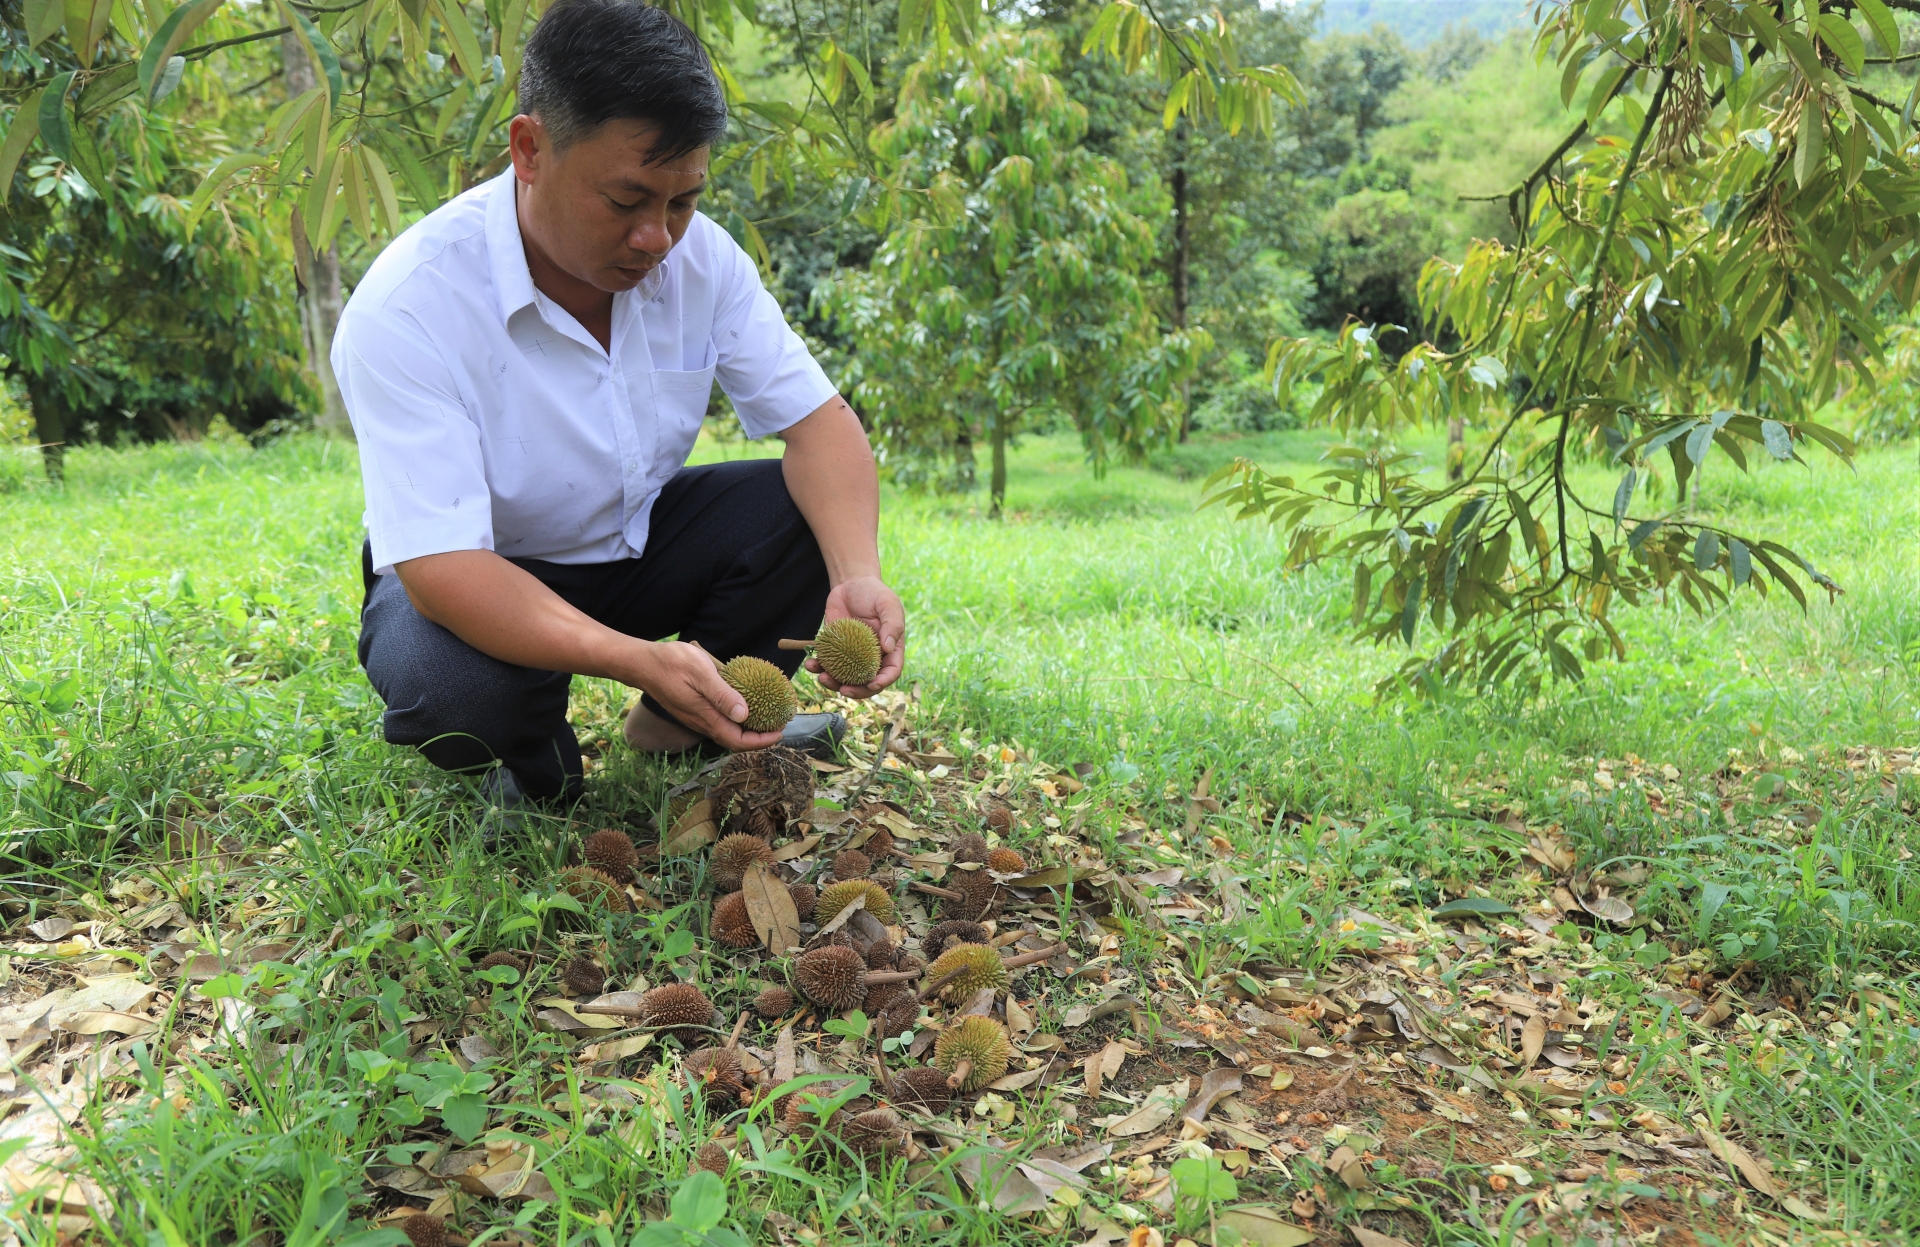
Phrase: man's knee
pixel 437 688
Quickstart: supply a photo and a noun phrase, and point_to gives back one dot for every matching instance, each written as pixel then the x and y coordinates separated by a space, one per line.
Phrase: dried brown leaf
pixel 693 830
pixel 1742 1162
pixel 770 908
pixel 1215 1086
pixel 1532 1039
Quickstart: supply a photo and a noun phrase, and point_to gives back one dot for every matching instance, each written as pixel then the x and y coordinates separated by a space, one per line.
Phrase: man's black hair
pixel 594 61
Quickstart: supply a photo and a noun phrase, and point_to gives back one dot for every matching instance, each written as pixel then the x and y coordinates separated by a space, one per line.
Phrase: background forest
pixel 1328 216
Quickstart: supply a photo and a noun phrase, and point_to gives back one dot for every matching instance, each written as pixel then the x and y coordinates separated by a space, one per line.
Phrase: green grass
pixel 177 628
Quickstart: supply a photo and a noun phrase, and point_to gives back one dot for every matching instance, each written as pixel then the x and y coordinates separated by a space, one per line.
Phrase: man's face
pixel 597 209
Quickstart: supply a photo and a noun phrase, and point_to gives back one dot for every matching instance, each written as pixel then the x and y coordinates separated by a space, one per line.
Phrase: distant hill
pixel 1419 22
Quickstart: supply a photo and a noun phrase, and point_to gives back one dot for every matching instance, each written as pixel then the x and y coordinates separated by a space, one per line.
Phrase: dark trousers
pixel 730 563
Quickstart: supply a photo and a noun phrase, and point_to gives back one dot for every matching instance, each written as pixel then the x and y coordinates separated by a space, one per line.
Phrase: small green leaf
pixel 1623 496
pixel 465 1115
pixel 1778 441
pixel 700 1204
pixel 1706 550
pixel 1742 560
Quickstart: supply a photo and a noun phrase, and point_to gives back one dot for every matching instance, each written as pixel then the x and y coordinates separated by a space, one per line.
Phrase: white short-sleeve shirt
pixel 489 419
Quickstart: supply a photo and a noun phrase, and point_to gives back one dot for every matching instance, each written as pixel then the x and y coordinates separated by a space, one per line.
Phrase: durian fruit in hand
pixel 848 650
pixel 771 701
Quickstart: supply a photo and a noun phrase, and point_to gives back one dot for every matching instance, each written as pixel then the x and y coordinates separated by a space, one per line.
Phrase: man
pixel 527 369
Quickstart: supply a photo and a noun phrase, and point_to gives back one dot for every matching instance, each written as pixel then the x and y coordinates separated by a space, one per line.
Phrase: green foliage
pixel 1012 288
pixel 1199 1184
pixel 1684 285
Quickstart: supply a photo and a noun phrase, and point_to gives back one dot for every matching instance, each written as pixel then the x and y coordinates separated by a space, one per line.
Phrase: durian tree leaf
pixel 385 197
pixel 318 46
pixel 25 128
pixel 166 41
pixel 771 909
pixel 44 19
pixel 1473 907
pixel 105 91
pixel 86 26
pixel 216 180
pixel 55 130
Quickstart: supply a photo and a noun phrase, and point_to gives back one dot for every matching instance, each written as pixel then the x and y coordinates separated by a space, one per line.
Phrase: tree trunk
pixel 49 426
pixel 320 300
pixel 1456 448
pixel 998 486
pixel 1181 253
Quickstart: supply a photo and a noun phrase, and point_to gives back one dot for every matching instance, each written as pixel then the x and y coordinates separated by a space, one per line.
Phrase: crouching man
pixel 526 370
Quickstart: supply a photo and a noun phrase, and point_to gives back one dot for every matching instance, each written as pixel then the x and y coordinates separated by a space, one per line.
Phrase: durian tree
pixel 1722 234
pixel 395 105
pixel 1012 288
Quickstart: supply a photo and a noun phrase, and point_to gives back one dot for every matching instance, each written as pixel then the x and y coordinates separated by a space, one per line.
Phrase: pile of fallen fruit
pixel 955 957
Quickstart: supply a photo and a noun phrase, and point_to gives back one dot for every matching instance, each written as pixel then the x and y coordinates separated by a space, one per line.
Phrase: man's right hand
pixel 683 678
pixel 505 612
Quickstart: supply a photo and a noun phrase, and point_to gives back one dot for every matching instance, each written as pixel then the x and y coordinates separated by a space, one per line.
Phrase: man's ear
pixel 531 149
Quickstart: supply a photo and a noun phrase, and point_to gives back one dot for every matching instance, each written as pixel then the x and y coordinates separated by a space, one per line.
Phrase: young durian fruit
pixel 924 1088
pixel 979 896
pixel 954 931
pixel 771 701
pixel 711 1157
pixel 837 896
pixel 978 967
pixel 612 852
pixel 727 864
pixel 674 1006
pixel 848 650
pixel 851 864
pixel 582 977
pixel 594 887
pixel 835 977
pixel 973 1052
pixel 804 900
pixel 773 1002
pixel 970 849
pixel 876 1132
pixel 716 1072
pixel 1006 861
pixel 423 1229
pixel 732 924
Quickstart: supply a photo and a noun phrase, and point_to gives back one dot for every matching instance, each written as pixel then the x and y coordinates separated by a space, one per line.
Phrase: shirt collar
pixel 512 279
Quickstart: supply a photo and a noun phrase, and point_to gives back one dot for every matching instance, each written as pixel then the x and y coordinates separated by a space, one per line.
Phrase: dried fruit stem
pixel 932 889
pixel 961 1069
pixel 927 992
pixel 790 643
pixel 875 977
pixel 1033 958
pixel 739 1027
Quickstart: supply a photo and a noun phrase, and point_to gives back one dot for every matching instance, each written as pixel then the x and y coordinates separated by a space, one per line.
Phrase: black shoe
pixel 816 735
pixel 506 806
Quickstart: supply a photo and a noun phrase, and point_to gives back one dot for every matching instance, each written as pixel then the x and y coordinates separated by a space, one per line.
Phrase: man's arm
pixel 506 613
pixel 830 474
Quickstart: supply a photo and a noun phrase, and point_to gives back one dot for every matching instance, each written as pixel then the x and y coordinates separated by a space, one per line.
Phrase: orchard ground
pixel 177 626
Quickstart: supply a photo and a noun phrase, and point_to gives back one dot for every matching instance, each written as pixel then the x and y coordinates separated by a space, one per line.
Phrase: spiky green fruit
pixel 848 650
pixel 978 967
pixel 981 1043
pixel 768 693
pixel 837 896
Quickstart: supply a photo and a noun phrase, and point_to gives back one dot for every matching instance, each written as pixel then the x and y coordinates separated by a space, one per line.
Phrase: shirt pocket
pixel 679 405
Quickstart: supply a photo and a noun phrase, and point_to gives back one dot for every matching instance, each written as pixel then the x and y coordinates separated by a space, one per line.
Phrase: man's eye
pixel 622 207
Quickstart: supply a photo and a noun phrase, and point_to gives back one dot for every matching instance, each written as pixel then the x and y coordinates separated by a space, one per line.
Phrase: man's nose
pixel 650 235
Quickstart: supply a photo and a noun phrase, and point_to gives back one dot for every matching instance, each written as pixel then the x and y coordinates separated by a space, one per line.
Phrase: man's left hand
pixel 868 599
